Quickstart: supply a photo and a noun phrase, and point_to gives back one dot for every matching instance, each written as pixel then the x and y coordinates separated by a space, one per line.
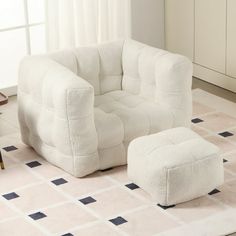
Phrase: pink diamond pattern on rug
pixel 112 202
pixel 15 177
pixel 148 221
pixel 217 122
pixel 200 131
pixel 18 227
pixel 222 143
pixel 97 229
pixel 37 197
pixel 200 109
pixel 107 202
pixel 196 209
pixel 119 174
pixel 78 187
pixel 227 194
pixel 6 212
pixel 64 217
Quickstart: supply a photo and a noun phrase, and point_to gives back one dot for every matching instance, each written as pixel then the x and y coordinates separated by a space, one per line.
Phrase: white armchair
pixel 80 108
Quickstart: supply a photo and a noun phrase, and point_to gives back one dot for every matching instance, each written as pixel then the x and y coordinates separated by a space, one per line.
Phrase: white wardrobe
pixel 205 32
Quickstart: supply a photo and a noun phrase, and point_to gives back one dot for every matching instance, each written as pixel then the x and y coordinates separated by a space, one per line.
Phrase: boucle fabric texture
pixel 175 165
pixel 80 108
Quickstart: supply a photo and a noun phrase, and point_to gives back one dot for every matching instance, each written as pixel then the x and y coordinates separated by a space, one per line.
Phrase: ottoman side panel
pixel 197 179
pixel 156 183
pixel 147 174
pixel 136 165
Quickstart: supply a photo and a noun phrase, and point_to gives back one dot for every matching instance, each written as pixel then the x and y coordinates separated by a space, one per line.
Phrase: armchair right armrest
pixel 174 81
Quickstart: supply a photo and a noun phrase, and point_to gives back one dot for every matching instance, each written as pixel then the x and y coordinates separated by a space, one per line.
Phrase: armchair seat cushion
pixel 121 117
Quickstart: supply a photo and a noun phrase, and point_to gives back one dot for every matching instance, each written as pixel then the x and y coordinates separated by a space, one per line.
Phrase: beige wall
pixel 204 31
pixel 148 21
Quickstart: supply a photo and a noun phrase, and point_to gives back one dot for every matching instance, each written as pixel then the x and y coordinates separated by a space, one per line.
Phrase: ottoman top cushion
pixel 172 148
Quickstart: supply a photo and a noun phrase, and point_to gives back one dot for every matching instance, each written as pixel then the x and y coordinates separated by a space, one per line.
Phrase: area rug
pixel 37 198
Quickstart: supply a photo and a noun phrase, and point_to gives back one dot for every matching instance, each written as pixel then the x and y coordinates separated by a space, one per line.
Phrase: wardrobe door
pixel 179 26
pixel 231 38
pixel 210 34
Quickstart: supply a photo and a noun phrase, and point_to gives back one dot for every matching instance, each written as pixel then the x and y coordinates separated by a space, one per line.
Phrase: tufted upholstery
pixel 80 108
pixel 175 165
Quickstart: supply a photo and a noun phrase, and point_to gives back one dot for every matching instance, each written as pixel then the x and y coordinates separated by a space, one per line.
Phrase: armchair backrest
pixel 100 65
pixel 139 68
pixel 128 65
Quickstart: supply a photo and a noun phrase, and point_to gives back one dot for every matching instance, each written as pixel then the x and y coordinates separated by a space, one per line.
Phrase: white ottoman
pixel 175 165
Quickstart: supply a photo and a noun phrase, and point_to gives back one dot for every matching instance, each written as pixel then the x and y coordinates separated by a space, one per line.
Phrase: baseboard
pixel 9 91
pixel 214 77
